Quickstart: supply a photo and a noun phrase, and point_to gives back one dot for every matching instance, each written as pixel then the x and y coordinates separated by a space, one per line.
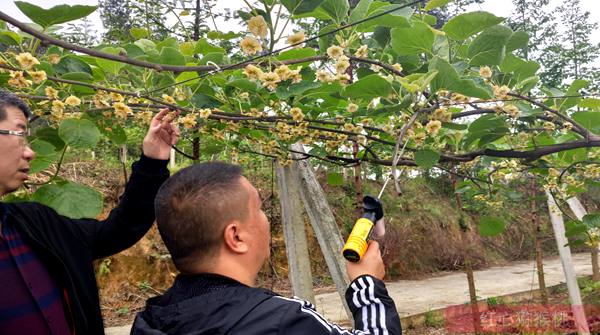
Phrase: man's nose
pixel 28 153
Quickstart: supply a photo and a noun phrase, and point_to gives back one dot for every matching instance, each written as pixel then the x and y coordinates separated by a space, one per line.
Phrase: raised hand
pixel 161 136
pixel 370 264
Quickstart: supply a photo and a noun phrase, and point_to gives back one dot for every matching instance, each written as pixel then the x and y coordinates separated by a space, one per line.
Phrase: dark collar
pixel 188 286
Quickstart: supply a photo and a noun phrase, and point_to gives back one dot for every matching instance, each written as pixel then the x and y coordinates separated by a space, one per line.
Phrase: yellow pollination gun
pixel 357 242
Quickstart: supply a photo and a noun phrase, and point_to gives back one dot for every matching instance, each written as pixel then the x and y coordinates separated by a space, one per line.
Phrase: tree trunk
pixel 467 263
pixel 197 21
pixel 535 220
pixel 358 192
pixel 595 270
pixel 540 270
pixel 473 298
pixel 196 149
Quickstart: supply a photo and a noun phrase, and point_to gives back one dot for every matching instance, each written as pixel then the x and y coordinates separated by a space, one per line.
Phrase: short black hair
pixel 193 207
pixel 10 99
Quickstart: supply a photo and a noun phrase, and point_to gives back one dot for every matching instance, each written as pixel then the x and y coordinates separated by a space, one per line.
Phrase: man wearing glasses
pixel 47 282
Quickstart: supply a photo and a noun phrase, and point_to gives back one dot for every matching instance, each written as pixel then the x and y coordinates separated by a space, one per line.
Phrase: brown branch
pixel 378 63
pixel 576 126
pixel 528 155
pixel 473 112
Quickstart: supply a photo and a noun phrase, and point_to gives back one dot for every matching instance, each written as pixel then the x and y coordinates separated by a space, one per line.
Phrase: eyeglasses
pixel 22 134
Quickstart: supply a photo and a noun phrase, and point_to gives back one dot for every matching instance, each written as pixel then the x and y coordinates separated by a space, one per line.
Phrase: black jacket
pixel 68 247
pixel 211 304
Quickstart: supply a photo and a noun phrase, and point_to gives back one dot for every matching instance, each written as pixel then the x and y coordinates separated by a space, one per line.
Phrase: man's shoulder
pixel 27 208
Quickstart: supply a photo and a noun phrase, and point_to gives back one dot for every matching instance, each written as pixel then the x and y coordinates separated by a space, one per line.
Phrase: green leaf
pixel 335 179
pixel 486 122
pixel 110 66
pixel 413 41
pixel 213 148
pixel 360 11
pixel 448 78
pixel 201 100
pixel 285 92
pixel 10 38
pixel 382 35
pixel 219 35
pixel 215 57
pixel 576 85
pixel 417 81
pixel 517 40
pixel 70 199
pixel 171 56
pixel 55 15
pixel 441 47
pixel 337 10
pixel 51 136
pixel 427 158
pixel 297 54
pixel 574 228
pixel 145 45
pixel 138 33
pixel 592 220
pixel 71 63
pixel 590 103
pixel 45 155
pixel 435 4
pixel 491 226
pixel 116 134
pixel 203 47
pixel 79 133
pixel 369 87
pixel 520 68
pixel 78 76
pixel 462 26
pixel 170 42
pixel 589 120
pixel 484 130
pixel 489 47
pixel 187 48
pixel 243 84
pixel 301 6
pixel 189 78
pixel 396 18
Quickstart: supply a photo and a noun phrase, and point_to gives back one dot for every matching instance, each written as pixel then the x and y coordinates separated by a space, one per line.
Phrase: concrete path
pixel 418 296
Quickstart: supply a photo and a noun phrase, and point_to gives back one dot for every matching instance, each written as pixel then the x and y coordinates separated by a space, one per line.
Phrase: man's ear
pixel 233 238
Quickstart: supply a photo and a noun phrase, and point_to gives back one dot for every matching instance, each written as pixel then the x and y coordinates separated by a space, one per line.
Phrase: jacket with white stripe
pixel 211 304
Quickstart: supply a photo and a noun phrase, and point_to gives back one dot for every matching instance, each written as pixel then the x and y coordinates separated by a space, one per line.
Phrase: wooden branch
pixel 576 126
pixel 528 155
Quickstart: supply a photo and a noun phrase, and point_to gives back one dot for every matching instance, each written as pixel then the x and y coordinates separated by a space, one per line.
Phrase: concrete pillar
pixel 567 263
pixel 294 231
pixel 323 223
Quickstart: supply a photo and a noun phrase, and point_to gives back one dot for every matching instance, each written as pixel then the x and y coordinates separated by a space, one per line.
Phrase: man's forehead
pixel 15 115
pixel 248 185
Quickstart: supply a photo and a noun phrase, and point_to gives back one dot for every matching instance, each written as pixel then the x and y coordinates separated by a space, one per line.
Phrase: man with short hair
pixel 47 282
pixel 211 220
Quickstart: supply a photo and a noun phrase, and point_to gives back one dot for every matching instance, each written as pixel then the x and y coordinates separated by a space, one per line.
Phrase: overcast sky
pixel 498 7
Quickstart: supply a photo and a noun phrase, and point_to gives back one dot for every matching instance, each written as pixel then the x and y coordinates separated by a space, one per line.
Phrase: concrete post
pixel 567 263
pixel 577 207
pixel 323 223
pixel 172 158
pixel 296 245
